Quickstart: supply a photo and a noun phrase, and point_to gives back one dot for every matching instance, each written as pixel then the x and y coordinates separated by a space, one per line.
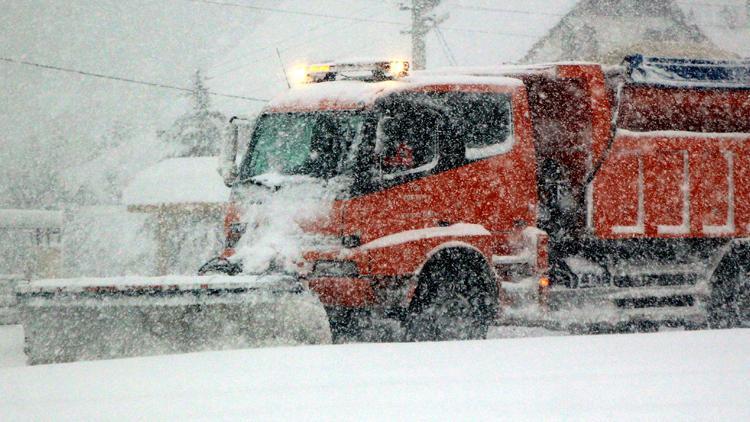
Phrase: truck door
pixel 404 155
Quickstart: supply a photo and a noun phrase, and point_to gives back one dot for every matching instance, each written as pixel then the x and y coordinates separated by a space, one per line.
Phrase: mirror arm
pixel 227 166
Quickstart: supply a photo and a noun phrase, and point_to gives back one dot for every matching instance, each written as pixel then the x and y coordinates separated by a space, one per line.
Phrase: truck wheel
pixel 456 299
pixel 729 304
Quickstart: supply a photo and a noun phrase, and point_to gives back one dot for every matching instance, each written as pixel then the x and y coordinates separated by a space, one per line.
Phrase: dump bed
pixel 656 148
pixel 679 163
pixel 673 184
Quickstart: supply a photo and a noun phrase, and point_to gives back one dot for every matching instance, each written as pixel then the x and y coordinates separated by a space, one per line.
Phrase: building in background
pixel 185 199
pixel 607 30
pixel 31 242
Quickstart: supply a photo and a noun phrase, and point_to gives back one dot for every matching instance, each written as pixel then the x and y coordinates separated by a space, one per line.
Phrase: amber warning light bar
pixel 361 71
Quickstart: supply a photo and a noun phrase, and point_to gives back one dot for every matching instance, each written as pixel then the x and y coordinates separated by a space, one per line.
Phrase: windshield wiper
pixel 256 182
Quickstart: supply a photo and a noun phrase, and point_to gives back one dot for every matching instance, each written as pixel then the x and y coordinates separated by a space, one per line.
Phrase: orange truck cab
pixel 566 195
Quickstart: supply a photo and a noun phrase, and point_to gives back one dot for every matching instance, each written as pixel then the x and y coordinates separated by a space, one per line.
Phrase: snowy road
pixel 673 375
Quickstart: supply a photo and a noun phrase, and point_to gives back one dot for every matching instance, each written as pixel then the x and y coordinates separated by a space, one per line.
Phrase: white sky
pixel 162 41
pixel 166 40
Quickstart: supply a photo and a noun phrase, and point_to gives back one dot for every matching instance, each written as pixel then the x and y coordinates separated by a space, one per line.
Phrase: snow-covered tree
pixel 730 17
pixel 198 132
pixel 30 172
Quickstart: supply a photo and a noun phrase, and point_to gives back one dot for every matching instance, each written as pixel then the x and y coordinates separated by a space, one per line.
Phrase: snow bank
pixel 126 282
pixel 178 180
pixel 663 376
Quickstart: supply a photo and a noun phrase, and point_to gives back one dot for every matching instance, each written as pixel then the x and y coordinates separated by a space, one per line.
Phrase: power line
pixel 279 44
pixel 356 19
pixel 496 9
pixel 297 12
pixel 480 31
pixel 446 47
pixel 121 79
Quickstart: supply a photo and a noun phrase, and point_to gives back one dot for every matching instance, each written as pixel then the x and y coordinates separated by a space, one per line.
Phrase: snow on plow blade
pixel 88 319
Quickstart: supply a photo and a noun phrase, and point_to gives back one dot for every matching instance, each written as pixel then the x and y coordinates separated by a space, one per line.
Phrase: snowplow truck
pixel 571 196
pixel 568 195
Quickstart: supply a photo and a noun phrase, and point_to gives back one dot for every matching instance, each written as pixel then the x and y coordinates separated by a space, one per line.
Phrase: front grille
pixel 641 280
pixel 655 302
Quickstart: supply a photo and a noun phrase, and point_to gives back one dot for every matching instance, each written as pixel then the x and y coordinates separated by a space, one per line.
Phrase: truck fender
pixel 464 250
pixel 728 251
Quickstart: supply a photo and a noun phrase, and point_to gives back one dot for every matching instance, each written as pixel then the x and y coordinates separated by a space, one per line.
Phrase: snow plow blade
pixel 89 319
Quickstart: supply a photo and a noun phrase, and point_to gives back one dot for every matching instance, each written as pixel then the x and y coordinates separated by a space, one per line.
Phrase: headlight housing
pixel 331 268
pixel 234 232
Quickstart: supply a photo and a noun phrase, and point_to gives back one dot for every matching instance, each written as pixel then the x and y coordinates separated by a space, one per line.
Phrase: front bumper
pixel 360 292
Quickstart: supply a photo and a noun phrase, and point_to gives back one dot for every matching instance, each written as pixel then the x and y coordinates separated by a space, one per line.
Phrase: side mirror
pixel 228 173
pixel 227 167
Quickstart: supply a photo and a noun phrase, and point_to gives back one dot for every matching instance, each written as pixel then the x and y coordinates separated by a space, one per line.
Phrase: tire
pixel 729 303
pixel 456 299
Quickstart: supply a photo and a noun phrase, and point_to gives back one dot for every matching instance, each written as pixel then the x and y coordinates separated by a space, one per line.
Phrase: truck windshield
pixel 313 144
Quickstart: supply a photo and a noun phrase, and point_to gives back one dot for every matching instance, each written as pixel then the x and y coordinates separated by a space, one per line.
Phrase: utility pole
pixel 422 21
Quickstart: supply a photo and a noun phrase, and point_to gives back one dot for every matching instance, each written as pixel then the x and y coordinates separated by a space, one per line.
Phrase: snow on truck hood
pixel 276 215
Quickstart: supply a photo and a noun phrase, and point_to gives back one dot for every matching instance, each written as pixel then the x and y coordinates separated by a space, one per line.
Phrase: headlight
pixel 234 233
pixel 335 269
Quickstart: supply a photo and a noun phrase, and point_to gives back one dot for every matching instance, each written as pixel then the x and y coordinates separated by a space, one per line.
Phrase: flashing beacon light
pixel 398 69
pixel 298 75
pixel 360 70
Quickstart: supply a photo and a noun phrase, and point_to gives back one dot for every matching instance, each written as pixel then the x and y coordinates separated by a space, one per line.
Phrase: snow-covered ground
pixel 699 375
pixel 11 346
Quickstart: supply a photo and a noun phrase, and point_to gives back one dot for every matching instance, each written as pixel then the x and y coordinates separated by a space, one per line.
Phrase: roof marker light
pixel 398 69
pixel 298 75
pixel 369 71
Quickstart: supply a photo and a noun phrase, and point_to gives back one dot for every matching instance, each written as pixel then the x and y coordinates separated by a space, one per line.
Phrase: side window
pixel 406 141
pixel 483 121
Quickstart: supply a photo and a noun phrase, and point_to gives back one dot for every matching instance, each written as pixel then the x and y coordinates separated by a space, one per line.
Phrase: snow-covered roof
pixel 606 31
pixel 338 95
pixel 499 71
pixel 350 95
pixel 30 219
pixel 177 181
pixel 726 22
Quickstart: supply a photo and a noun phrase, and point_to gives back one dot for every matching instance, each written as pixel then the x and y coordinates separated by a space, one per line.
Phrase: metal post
pixel 421 23
pixel 418 31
